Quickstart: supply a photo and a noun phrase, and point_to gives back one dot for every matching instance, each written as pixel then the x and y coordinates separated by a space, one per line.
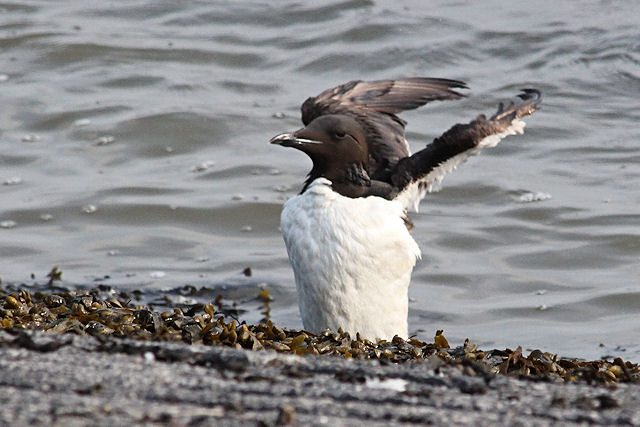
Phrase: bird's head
pixel 335 143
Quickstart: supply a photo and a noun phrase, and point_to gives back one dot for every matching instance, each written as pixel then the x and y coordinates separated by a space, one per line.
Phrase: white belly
pixel 352 260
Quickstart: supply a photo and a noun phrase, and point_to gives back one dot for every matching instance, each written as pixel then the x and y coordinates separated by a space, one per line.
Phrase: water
pixel 134 137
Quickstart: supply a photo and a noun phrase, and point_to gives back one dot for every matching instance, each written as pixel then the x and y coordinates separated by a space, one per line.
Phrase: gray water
pixel 134 135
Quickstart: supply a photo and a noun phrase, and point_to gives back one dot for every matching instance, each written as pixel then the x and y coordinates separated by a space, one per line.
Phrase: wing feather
pixel 375 105
pixel 415 175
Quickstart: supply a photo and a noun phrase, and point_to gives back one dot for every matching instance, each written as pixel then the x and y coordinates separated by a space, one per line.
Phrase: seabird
pixel 347 232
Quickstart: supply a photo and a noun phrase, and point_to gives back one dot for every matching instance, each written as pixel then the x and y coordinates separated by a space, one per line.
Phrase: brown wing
pixel 375 105
pixel 428 166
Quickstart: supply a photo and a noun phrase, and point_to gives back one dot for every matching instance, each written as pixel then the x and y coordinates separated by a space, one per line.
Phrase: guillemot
pixel 347 232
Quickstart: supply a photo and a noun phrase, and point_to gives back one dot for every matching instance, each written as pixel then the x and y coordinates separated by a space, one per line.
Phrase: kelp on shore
pixel 104 312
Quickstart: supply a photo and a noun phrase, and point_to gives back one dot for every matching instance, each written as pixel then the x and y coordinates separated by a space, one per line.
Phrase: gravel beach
pixel 96 356
pixel 64 379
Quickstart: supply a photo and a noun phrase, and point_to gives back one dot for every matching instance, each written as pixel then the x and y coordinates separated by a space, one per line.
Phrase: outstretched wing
pixel 375 105
pixel 414 176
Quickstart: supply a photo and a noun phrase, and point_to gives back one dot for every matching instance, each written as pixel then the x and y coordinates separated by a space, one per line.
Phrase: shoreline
pixel 103 311
pixel 107 360
pixel 64 379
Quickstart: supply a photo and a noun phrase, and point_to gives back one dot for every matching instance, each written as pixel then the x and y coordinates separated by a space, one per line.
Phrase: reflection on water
pixel 133 142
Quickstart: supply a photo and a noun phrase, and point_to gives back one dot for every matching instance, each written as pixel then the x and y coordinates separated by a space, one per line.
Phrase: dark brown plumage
pixel 375 105
pixel 355 139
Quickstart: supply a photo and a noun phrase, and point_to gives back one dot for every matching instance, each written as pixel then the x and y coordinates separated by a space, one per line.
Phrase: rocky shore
pixel 96 356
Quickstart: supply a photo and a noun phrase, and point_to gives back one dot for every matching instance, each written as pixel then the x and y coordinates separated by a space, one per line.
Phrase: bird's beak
pixel 292 140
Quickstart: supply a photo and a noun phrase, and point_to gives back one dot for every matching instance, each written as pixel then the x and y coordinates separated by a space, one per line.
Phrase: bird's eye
pixel 340 134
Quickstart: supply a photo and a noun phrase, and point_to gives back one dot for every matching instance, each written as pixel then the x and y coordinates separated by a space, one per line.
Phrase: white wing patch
pixel 411 196
pixel 516 128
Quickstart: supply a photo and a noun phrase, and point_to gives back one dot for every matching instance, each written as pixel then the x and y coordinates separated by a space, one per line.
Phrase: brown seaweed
pixel 99 313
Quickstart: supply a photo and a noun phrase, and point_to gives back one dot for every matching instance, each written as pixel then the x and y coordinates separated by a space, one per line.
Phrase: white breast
pixel 352 260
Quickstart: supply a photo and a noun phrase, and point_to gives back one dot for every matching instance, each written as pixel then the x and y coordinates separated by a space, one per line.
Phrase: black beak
pixel 291 140
pixel 296 139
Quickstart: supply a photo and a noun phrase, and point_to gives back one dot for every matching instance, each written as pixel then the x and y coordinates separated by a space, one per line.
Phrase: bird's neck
pixel 350 180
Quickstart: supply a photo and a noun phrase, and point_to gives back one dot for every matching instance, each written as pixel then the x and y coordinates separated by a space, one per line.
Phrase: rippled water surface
pixel 134 137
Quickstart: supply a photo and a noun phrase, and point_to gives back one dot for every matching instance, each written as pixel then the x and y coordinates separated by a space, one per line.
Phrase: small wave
pixel 537 196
